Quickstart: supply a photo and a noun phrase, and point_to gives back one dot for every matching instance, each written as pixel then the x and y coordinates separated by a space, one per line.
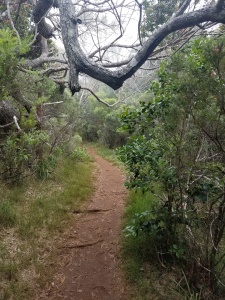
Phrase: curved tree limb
pixel 41 9
pixel 80 63
pixel 51 70
pixel 34 63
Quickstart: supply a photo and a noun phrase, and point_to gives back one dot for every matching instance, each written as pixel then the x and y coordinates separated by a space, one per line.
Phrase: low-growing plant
pixel 80 154
pixel 46 166
pixel 177 153
pixel 32 218
pixel 140 260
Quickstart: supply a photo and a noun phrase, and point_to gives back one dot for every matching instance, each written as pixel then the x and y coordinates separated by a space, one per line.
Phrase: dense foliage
pixel 177 152
pixel 157 13
pixel 43 128
pixel 99 123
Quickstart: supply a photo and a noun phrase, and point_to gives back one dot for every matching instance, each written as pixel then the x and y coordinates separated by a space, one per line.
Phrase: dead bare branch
pixel 99 100
pixel 16 123
pixel 139 21
pixel 11 22
pixel 34 63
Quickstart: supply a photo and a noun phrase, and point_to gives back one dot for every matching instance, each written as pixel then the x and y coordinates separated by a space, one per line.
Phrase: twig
pixel 6 125
pixel 11 22
pixel 100 100
pixel 16 123
pixel 52 103
pixel 139 21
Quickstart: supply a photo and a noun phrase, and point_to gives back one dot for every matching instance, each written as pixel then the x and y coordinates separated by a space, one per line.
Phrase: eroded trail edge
pixel 92 266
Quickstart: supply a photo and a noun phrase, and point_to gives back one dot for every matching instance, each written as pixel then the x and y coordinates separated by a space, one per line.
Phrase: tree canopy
pixel 90 31
pixel 107 40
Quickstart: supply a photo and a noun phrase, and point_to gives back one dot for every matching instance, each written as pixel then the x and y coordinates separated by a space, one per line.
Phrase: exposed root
pixel 89 211
pixel 81 245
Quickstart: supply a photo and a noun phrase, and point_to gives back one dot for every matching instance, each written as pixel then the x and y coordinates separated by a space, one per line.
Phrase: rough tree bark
pixel 79 62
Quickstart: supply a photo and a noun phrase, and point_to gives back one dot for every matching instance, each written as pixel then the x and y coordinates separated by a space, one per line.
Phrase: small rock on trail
pixel 90 250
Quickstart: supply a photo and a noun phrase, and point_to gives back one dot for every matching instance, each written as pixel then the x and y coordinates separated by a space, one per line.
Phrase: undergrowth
pixel 148 279
pixel 32 216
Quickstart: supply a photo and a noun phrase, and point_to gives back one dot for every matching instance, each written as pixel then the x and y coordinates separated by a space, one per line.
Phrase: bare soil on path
pixel 89 251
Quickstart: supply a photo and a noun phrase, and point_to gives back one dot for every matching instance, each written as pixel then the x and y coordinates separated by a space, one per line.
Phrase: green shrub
pixel 177 153
pixel 80 154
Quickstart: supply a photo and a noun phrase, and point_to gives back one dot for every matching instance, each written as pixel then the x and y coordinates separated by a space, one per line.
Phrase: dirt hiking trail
pixel 89 251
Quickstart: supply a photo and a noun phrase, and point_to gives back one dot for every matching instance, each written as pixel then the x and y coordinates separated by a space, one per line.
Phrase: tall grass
pixel 31 218
pixel 7 214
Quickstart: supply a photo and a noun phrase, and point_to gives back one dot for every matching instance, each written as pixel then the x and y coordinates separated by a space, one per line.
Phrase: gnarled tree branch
pixel 80 63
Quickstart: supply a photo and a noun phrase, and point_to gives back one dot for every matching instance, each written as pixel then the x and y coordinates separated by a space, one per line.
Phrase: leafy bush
pixel 46 166
pixel 177 154
pixel 22 154
pixel 80 154
pixel 10 49
pixel 110 135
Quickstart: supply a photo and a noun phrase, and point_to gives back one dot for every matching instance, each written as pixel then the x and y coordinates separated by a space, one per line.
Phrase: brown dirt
pixel 89 251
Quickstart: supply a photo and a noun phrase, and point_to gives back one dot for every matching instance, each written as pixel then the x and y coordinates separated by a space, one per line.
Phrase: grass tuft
pixel 32 217
pixel 7 214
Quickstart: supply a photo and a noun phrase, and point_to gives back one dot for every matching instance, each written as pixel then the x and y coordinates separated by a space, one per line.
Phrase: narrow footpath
pixel 91 248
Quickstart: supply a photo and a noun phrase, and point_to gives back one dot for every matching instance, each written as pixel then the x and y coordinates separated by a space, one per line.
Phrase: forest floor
pixel 88 256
